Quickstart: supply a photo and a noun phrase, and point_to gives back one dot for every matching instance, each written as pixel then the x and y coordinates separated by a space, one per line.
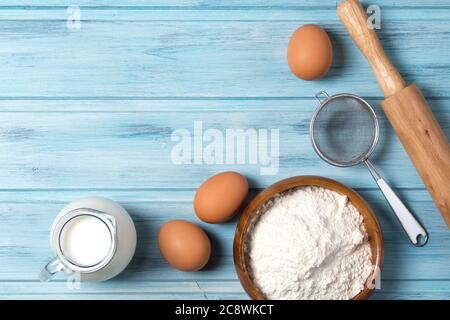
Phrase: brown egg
pixel 184 245
pixel 218 198
pixel 309 52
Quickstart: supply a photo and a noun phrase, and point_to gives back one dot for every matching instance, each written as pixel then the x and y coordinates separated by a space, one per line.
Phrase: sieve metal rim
pixel 322 104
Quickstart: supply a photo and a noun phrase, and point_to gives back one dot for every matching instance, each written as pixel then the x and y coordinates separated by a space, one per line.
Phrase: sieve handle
pixel 416 233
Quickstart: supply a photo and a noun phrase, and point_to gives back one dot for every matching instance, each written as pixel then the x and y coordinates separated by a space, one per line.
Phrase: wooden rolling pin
pixel 406 109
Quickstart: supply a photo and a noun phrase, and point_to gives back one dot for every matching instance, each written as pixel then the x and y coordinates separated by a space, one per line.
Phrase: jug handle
pixel 50 270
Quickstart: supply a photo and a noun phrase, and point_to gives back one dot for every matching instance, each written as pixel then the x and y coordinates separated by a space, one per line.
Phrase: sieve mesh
pixel 344 130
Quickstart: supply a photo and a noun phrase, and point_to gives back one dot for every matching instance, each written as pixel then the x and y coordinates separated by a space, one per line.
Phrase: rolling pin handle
pixel 355 20
pixel 320 94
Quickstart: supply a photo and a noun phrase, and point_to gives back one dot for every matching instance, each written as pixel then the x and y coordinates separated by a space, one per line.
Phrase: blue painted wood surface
pixel 91 111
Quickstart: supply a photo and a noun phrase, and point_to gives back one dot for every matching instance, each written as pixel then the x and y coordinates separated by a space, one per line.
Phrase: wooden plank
pixel 226 58
pixel 194 290
pixel 122 149
pixel 172 296
pixel 207 14
pixel 413 290
pixel 25 223
pixel 199 4
pixel 123 287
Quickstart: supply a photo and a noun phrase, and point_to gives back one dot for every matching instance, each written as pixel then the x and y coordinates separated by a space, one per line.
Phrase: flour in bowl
pixel 309 243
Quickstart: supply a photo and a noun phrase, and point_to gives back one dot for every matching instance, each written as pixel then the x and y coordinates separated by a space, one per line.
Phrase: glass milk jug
pixel 93 239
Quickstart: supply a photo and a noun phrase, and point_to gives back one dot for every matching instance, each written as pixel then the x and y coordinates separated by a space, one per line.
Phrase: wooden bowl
pixel 242 231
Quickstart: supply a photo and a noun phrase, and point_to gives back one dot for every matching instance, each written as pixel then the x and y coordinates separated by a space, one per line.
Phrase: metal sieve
pixel 344 132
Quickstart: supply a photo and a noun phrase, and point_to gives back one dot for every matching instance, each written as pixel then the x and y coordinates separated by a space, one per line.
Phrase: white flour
pixel 309 243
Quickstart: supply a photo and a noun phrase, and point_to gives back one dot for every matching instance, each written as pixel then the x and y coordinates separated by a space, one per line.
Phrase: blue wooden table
pixel 91 110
